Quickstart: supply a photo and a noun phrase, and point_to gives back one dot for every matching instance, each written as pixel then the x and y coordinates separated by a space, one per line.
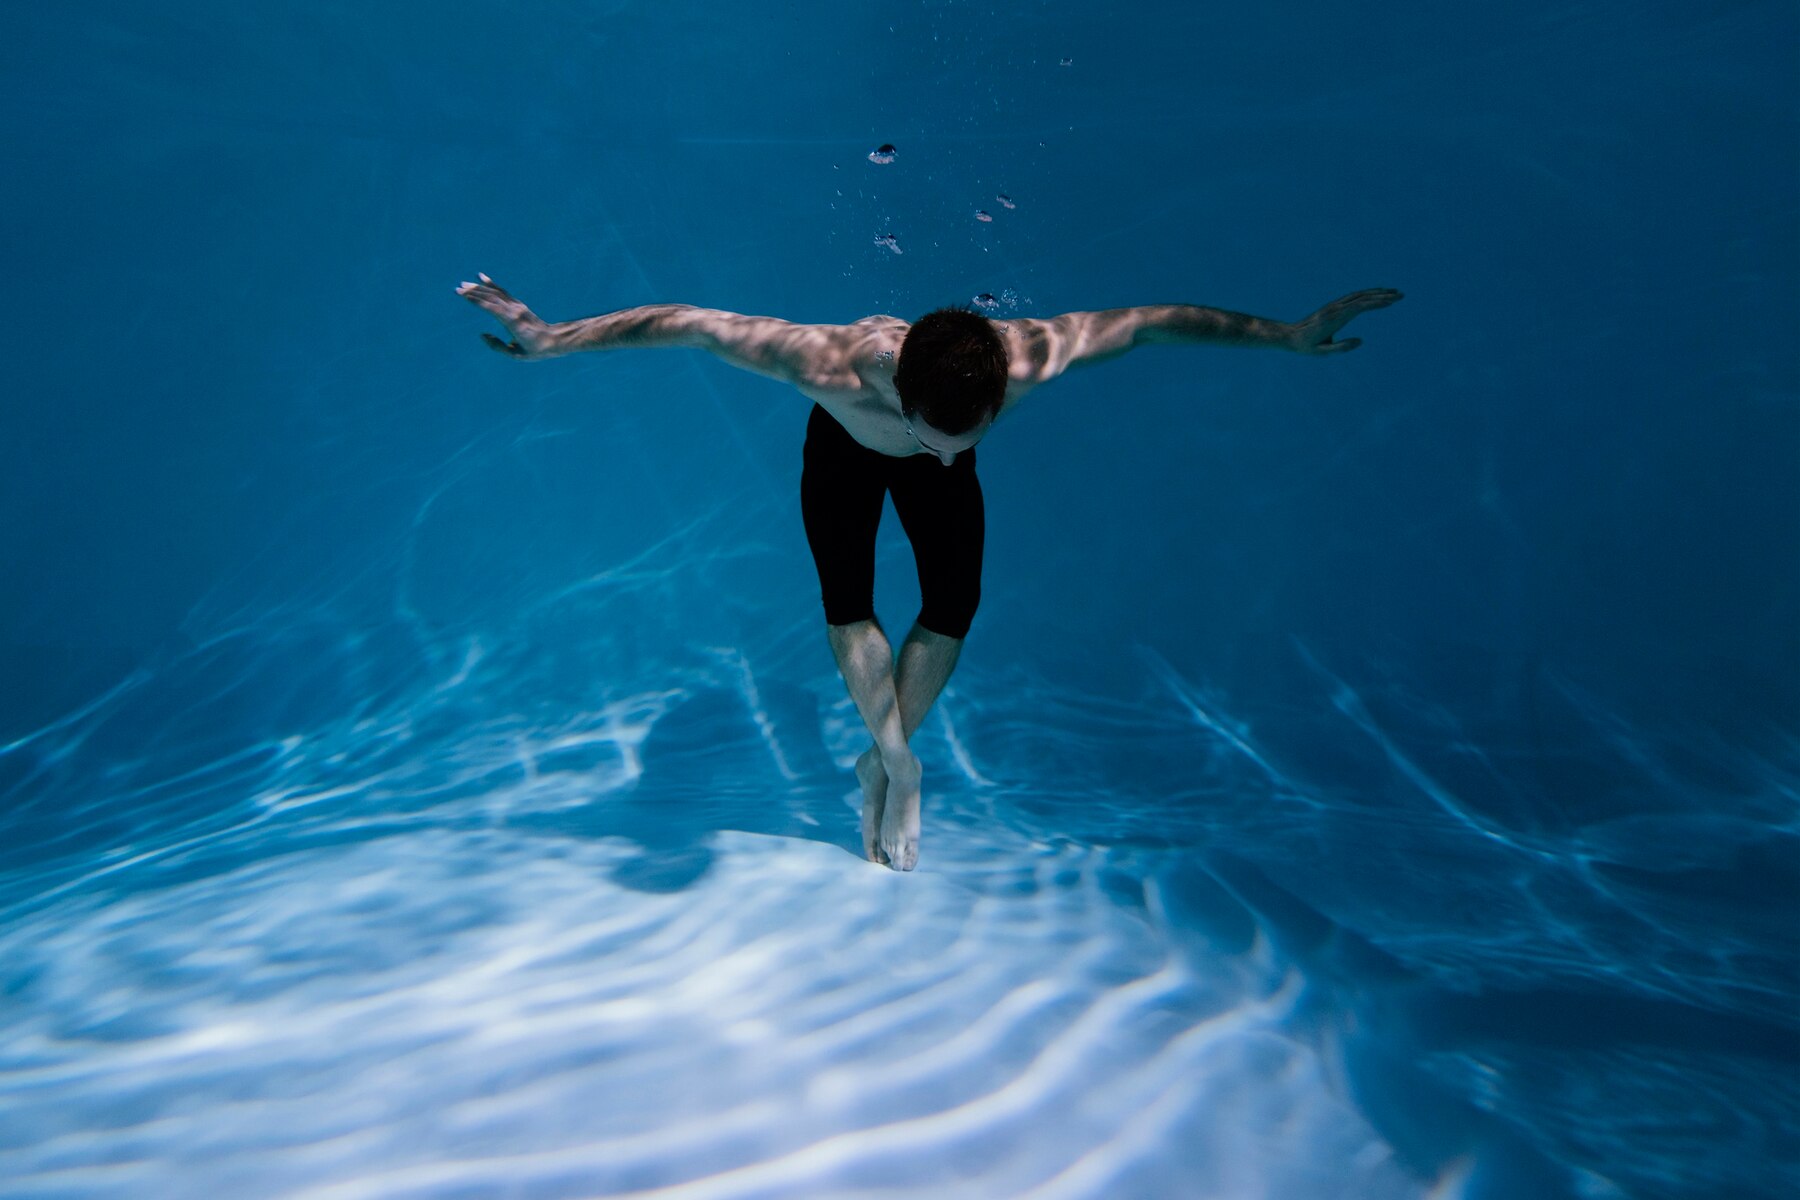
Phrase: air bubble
pixel 1065 62
pixel 982 214
pixel 1005 201
pixel 986 302
pixel 887 239
pixel 882 154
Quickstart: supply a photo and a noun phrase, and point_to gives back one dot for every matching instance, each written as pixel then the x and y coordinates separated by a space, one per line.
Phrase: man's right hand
pixel 530 334
pixel 1314 335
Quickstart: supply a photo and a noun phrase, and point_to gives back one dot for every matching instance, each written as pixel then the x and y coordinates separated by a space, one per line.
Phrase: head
pixel 951 377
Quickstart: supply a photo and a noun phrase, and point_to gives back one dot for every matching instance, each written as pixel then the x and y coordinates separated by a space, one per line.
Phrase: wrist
pixel 548 339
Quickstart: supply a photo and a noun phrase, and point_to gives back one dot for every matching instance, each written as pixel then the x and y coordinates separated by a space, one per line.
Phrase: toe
pixel 902 856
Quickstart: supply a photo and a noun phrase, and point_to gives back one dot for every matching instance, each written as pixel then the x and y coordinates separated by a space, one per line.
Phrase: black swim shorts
pixel 842 483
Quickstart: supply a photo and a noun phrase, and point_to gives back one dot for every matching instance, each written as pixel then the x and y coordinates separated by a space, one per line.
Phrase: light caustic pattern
pixel 440 947
pixel 479 1011
pixel 437 949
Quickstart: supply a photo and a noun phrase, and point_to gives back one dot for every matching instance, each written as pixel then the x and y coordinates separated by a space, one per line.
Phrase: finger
pixel 1341 312
pixel 502 306
pixel 487 287
pixel 1339 347
pixel 1362 301
pixel 512 348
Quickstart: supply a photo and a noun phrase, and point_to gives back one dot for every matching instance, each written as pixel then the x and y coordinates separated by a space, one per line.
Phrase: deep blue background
pixel 1512 593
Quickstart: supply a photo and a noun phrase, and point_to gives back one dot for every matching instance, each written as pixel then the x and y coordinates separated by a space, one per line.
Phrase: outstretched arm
pixel 1042 350
pixel 797 354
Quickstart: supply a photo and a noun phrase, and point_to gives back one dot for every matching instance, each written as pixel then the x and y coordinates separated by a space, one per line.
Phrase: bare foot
pixel 900 815
pixel 874 782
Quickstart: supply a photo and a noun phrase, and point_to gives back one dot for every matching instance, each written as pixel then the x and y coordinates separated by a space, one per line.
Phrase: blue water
pixel 1374 776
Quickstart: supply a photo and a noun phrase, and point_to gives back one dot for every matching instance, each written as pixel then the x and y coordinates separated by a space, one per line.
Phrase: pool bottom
pixel 488 1011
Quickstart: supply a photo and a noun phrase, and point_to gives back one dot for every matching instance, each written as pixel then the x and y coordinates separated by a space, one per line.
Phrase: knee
pixel 844 634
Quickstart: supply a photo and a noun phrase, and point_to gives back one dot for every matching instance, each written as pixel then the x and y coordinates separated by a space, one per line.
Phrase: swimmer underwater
pixel 898 408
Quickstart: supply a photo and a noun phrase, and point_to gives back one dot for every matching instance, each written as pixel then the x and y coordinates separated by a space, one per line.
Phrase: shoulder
pixel 1038 349
pixel 1031 345
pixel 875 342
pixel 853 354
pixel 877 338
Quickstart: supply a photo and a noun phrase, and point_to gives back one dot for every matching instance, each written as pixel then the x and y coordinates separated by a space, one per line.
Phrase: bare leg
pixel 926 661
pixel 866 661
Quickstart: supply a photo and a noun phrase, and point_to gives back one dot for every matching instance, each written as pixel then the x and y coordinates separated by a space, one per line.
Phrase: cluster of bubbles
pixel 881 156
pixel 1005 201
pixel 987 302
pixel 885 154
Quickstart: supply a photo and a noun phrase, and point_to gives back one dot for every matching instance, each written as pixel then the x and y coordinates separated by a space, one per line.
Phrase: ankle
pixel 900 763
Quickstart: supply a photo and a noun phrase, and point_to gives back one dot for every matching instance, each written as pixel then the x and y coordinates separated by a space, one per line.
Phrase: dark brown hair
pixel 952 369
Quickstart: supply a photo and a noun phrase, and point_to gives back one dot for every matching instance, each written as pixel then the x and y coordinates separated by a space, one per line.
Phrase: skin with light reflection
pixel 849 371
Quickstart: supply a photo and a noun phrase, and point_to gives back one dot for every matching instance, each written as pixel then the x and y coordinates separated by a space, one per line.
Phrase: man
pixel 899 408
